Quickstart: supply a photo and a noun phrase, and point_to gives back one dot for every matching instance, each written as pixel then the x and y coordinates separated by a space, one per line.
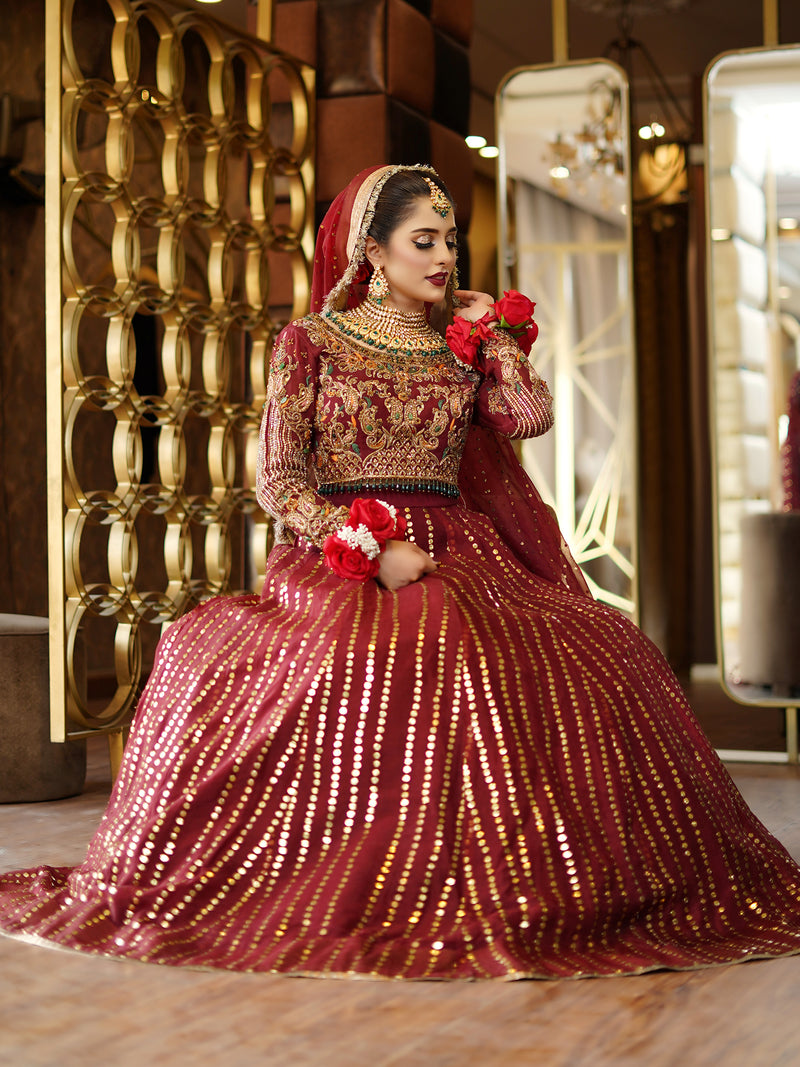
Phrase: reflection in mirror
pixel 564 239
pixel 753 189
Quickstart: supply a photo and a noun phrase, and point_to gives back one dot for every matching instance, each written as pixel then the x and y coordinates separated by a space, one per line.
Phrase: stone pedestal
pixel 31 766
pixel 769 643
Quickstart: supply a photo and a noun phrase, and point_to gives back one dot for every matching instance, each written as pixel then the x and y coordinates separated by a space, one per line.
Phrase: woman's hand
pixel 403 562
pixel 473 306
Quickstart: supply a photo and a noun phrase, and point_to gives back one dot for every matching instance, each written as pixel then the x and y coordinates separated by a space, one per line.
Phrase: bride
pixel 424 751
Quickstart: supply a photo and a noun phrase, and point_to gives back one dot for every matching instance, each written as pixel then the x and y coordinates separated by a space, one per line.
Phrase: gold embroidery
pixel 345 415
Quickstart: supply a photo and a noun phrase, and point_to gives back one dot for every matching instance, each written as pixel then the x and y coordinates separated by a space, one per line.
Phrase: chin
pixel 438 296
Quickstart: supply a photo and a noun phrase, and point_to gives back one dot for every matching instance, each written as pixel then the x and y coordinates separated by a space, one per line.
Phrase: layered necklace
pixel 389 330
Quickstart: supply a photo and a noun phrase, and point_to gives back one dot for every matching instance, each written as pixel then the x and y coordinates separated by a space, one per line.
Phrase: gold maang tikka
pixel 439 202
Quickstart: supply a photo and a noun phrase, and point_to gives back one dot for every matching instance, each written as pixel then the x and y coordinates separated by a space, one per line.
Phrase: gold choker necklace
pixel 388 329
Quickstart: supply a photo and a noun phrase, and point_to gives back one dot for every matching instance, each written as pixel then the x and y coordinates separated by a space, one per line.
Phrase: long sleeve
pixel 282 481
pixel 512 399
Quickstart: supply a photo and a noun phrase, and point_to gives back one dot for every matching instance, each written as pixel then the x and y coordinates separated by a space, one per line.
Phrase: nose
pixel 446 256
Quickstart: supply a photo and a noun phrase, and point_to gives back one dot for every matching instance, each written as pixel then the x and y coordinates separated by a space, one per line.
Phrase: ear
pixel 373 252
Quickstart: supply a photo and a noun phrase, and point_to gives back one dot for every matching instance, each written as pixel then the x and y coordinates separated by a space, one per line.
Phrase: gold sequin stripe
pixel 233 831
pixel 212 743
pixel 659 819
pixel 289 906
pixel 544 843
pixel 472 599
pixel 250 858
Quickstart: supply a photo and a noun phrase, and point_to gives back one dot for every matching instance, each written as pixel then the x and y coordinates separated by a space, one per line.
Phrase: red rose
pixel 525 340
pixel 348 562
pixel 462 341
pixel 513 309
pixel 482 329
pixel 363 274
pixel 377 518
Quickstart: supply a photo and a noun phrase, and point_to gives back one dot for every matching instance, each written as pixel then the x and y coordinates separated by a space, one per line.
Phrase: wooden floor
pixel 61 1009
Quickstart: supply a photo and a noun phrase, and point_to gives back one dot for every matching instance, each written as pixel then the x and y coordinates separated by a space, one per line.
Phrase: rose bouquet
pixel 353 551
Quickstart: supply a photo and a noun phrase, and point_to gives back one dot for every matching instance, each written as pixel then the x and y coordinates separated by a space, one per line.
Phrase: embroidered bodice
pixel 348 411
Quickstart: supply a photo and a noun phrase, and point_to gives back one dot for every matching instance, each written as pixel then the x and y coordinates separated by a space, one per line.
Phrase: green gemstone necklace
pixel 389 330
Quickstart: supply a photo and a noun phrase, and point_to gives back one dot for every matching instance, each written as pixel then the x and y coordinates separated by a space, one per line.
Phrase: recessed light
pixel 489 151
pixel 788 224
pixel 720 234
pixel 475 141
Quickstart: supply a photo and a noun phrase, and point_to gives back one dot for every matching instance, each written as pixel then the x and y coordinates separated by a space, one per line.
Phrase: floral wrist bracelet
pixel 512 312
pixel 353 551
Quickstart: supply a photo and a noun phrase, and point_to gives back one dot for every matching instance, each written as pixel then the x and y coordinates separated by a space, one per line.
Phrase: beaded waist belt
pixel 396 485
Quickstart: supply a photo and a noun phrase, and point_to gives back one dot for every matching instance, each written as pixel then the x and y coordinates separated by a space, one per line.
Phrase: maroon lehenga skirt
pixel 480 776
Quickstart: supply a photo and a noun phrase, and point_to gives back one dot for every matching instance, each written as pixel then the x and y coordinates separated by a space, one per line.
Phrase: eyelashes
pixel 422 245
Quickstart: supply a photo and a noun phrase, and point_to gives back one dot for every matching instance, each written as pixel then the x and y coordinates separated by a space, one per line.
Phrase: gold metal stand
pixel 560 31
pixel 770 14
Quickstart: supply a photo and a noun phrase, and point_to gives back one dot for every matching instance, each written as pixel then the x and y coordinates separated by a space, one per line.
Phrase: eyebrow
pixel 433 229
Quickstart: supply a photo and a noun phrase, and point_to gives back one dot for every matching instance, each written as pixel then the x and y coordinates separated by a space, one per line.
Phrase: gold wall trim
pixel 179 241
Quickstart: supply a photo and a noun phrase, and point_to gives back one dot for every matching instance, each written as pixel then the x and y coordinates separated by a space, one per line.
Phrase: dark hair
pixel 397 198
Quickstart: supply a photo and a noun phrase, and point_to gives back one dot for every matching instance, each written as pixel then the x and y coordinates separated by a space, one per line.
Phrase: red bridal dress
pixel 484 775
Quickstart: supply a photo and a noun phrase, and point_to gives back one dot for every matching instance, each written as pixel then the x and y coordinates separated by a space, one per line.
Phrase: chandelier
pixel 595 151
pixel 661 128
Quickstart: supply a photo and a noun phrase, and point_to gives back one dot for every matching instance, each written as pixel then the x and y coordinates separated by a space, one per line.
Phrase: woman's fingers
pixel 470 296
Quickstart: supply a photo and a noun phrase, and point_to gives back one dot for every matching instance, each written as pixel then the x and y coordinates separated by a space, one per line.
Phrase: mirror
pixel 565 241
pixel 753 209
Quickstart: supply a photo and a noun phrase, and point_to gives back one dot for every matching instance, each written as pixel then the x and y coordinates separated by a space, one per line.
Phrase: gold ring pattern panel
pixel 186 203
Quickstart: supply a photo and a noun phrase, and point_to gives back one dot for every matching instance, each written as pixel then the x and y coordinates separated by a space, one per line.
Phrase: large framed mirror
pixel 752 105
pixel 564 239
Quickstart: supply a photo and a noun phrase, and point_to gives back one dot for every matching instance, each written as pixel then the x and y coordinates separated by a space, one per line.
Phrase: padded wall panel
pixel 454 17
pixel 740 272
pixel 743 396
pixel 450 102
pixel 357 132
pixel 739 206
pixel 351 135
pixel 351 37
pixel 411 58
pixel 452 159
pixel 295 29
pixel 739 141
pixel 409 134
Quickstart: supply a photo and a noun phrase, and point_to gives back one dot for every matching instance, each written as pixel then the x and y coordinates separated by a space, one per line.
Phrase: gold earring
pixel 378 286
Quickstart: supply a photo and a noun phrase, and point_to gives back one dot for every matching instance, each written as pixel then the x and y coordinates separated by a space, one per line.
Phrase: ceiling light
pixel 489 151
pixel 475 141
pixel 720 234
pixel 559 172
pixel 788 224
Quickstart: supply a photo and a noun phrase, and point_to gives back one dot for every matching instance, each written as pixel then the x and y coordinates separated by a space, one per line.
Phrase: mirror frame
pixel 761 699
pixel 565 452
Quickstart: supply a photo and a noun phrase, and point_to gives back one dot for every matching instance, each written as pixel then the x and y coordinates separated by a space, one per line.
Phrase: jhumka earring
pixel 378 286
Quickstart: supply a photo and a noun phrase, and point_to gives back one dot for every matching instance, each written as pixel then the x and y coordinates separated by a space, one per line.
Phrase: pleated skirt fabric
pixel 481 776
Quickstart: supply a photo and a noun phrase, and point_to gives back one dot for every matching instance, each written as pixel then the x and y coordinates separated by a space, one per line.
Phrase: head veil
pixel 491 478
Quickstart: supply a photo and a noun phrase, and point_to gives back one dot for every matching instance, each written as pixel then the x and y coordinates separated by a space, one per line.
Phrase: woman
pixel 425 751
